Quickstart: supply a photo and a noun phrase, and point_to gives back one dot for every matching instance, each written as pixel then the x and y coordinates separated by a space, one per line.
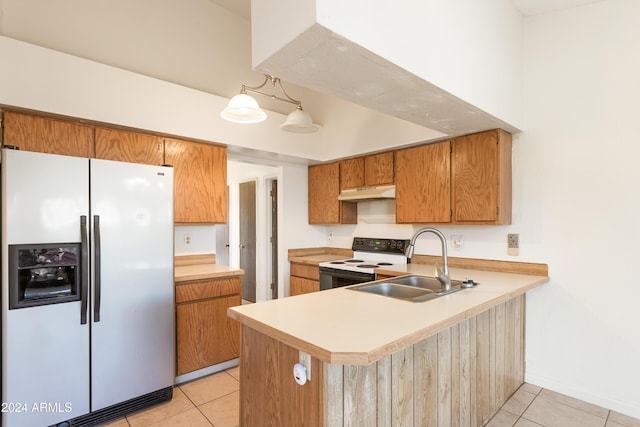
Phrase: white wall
pixel 195 44
pixel 470 49
pixel 575 204
pixel 580 198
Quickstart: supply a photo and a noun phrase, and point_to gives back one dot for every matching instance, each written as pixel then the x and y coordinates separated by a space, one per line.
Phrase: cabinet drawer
pixel 307 271
pixel 193 291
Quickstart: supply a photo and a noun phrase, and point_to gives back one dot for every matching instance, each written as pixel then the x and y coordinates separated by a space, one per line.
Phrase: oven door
pixel 333 278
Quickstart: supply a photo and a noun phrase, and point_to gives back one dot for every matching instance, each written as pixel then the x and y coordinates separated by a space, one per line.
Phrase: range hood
pixel 368 193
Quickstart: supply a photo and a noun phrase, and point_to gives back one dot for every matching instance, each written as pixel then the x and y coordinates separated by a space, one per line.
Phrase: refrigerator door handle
pixel 96 250
pixel 84 275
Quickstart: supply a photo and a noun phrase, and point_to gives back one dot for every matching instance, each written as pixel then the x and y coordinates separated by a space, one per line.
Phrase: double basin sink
pixel 409 288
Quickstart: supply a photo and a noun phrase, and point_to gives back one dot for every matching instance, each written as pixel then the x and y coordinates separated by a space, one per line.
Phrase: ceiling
pixel 526 7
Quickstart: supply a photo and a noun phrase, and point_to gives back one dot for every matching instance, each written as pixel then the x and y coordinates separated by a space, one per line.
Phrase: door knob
pixel 241 246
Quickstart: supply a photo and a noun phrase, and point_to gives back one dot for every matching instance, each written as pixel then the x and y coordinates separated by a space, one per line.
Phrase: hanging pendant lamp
pixel 243 108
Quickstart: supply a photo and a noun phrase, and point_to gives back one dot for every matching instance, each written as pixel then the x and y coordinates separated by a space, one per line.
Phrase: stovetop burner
pixel 347 261
pixel 369 254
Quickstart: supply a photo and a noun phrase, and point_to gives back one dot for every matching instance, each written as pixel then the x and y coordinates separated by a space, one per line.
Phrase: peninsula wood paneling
pixel 133 147
pixel 269 395
pixel 45 135
pixel 459 377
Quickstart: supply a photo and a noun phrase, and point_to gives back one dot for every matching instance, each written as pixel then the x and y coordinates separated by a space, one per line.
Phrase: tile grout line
pixel 525 409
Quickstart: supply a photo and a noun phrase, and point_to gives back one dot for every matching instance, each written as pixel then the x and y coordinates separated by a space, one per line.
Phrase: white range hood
pixel 368 193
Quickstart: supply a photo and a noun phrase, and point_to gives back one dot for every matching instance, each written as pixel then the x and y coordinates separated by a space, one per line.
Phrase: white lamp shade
pixel 299 121
pixel 243 108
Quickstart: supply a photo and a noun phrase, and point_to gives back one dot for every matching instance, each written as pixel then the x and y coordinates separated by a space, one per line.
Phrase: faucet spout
pixel 442 275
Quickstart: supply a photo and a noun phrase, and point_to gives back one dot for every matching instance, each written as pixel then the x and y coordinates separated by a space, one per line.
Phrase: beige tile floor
pixel 209 401
pixel 214 401
pixel 532 406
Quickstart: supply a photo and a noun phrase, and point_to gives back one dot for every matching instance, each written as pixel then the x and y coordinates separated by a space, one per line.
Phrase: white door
pixel 45 349
pixel 133 337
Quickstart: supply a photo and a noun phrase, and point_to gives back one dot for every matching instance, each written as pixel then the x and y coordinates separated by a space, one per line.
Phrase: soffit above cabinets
pixel 526 7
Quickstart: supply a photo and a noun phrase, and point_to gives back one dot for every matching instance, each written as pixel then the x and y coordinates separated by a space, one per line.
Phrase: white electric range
pixel 368 254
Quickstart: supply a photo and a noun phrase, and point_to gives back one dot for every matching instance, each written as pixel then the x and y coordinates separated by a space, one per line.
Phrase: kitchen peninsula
pixel 379 361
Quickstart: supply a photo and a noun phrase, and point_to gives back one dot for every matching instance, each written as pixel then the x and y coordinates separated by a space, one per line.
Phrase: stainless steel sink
pixel 408 288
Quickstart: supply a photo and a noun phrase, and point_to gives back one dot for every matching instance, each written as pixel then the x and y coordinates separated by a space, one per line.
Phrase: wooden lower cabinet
pixel 460 376
pixel 304 279
pixel 205 335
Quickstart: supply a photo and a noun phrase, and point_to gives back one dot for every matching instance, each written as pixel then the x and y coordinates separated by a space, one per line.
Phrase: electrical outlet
pixel 187 239
pixel 457 242
pixel 513 244
pixel 305 360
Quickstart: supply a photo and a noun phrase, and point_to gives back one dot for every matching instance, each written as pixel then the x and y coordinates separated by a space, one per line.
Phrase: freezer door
pixel 132 302
pixel 45 349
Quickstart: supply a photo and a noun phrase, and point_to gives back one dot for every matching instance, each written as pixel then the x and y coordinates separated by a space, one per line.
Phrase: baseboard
pixel 627 408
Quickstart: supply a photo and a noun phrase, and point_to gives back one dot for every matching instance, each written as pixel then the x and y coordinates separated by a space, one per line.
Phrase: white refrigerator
pixel 102 344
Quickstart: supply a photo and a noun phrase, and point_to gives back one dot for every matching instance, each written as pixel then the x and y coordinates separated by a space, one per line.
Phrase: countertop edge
pixel 362 358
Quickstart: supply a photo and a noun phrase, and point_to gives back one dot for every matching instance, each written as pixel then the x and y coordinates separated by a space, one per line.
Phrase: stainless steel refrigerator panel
pixel 133 327
pixel 46 198
pixel 45 349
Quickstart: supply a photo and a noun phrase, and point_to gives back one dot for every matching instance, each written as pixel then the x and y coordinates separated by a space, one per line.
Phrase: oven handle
pixel 334 272
pixel 84 269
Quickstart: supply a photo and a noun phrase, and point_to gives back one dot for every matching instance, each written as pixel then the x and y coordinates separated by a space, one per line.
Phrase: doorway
pixel 247 245
pixel 273 236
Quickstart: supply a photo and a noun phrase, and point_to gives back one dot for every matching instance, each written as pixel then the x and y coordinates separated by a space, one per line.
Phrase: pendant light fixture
pixel 243 108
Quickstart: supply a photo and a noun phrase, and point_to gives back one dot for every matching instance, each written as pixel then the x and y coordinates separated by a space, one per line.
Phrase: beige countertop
pixel 188 273
pixel 343 326
pixel 316 259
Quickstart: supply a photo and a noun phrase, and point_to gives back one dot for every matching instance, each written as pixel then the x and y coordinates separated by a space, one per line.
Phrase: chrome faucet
pixel 441 275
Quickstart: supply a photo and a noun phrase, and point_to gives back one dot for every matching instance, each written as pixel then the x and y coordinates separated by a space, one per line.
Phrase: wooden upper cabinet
pixel 45 135
pixel 129 147
pixel 378 169
pixel 423 184
pixel 324 206
pixel 367 171
pixel 481 178
pixel 199 181
pixel 352 173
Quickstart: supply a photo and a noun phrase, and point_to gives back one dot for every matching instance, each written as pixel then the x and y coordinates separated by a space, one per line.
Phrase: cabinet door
pixel 132 147
pixel 481 178
pixel 378 169
pixel 352 173
pixel 300 285
pixel 200 181
pixel 44 135
pixel 423 184
pixel 205 335
pixel 324 187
